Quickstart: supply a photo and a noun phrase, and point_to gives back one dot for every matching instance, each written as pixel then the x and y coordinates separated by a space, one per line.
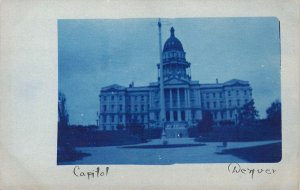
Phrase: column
pixel 178 103
pixel 150 100
pixel 186 104
pixel 171 105
pixel 189 106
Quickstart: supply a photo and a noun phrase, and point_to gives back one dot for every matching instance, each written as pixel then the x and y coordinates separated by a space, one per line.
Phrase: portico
pixel 177 104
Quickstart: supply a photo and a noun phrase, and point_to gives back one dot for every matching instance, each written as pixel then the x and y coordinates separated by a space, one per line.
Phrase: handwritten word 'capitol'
pixel 235 168
pixel 95 173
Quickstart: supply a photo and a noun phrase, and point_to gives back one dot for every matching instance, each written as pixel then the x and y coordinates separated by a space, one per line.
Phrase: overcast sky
pixel 97 53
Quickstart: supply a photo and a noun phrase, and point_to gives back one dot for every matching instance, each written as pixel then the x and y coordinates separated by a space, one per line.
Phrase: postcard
pixel 144 95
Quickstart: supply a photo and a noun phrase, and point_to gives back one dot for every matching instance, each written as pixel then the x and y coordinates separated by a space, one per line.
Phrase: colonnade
pixel 178 110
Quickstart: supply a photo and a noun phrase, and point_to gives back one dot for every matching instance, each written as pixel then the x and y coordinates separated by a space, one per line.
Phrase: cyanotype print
pixel 166 91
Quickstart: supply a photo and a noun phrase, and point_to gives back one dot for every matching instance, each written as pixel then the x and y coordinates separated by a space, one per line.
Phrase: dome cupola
pixel 173 50
pixel 172 44
pixel 173 59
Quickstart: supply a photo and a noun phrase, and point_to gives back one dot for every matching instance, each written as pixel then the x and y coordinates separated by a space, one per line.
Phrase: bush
pixel 226 122
pixel 136 129
pixel 205 125
pixel 193 132
pixel 120 127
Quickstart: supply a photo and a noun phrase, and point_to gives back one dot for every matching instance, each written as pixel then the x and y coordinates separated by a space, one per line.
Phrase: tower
pixel 173 58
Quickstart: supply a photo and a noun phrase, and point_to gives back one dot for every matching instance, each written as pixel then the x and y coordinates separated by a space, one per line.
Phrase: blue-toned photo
pixel 169 91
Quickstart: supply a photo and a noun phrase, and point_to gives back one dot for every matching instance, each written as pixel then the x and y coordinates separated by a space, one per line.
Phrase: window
pixel 245 92
pixel 229 93
pixel 220 94
pixel 175 116
pixel 120 107
pixel 215 104
pixel 207 105
pixel 183 115
pixel 112 97
pixel 221 104
pixel 104 108
pixel 120 97
pixel 215 115
pixel 142 107
pixel 135 108
pixel 229 103
pixel 230 114
pixel 112 107
pixel 104 98
pixel 120 118
pixel 193 115
pixel 104 118
pixel 246 101
pixel 136 97
pixel 142 98
pixel 112 118
pixel 129 108
pixel 214 95
pixel 238 102
pixel 207 95
pixel 168 116
pixel 237 92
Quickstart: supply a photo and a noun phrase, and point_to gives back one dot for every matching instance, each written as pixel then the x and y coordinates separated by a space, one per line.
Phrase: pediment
pixel 175 81
pixel 114 87
pixel 236 82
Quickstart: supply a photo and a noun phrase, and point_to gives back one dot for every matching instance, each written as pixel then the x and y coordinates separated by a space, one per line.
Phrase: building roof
pixel 113 87
pixel 172 43
pixel 138 88
pixel 233 82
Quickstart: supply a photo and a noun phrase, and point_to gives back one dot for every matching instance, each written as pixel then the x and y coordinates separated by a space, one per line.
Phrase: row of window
pixel 173 54
pixel 119 118
pixel 112 97
pixel 223 114
pixel 208 95
pixel 112 108
pixel 229 93
pixel 239 92
pixel 143 118
pixel 214 104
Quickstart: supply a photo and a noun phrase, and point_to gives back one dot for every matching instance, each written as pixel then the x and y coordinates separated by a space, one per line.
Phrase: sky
pixel 94 53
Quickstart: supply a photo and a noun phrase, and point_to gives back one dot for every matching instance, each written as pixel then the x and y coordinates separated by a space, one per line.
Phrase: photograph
pixel 162 91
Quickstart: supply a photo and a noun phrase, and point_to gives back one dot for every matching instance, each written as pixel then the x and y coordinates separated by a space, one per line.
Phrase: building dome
pixel 172 44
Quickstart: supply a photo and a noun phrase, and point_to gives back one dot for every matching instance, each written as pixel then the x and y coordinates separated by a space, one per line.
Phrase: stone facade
pixel 185 99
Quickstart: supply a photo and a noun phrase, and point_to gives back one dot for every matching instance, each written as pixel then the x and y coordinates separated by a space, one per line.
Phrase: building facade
pixel 185 100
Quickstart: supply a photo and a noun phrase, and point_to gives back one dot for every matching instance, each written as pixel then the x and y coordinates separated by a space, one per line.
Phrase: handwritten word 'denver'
pixel 95 173
pixel 237 169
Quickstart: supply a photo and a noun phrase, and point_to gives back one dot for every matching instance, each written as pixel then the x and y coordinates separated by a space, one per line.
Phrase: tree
pixel 63 122
pixel 274 114
pixel 205 125
pixel 248 114
pixel 63 116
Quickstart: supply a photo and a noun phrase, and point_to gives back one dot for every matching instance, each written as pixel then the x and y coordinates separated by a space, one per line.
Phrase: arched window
pixel 183 115
pixel 168 116
pixel 175 116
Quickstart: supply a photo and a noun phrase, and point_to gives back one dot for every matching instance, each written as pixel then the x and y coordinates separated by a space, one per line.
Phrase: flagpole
pixel 161 81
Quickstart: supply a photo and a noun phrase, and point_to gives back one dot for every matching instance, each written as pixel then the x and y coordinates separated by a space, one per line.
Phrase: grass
pixel 270 153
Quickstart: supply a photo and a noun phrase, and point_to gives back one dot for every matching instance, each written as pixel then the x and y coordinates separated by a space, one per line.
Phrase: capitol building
pixel 185 100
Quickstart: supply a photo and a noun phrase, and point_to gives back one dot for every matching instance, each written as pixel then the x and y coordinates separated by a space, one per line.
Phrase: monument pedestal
pixel 176 130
